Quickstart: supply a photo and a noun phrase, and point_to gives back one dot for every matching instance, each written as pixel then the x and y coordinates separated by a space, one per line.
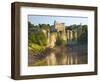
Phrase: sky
pixel 68 20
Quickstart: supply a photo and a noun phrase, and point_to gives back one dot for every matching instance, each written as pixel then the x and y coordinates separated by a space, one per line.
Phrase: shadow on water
pixel 62 55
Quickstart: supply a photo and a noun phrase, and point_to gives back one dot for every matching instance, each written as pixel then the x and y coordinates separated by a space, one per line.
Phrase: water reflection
pixel 51 59
pixel 59 56
pixel 62 59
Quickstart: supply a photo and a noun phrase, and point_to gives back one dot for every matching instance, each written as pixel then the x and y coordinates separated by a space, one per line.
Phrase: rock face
pixel 51 40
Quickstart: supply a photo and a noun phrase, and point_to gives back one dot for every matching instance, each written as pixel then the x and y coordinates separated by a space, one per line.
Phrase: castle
pixel 69 35
pixel 58 26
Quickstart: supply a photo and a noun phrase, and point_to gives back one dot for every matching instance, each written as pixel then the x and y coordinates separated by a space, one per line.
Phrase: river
pixel 63 55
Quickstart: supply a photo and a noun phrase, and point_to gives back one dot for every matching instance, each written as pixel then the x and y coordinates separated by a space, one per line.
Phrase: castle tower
pixel 59 26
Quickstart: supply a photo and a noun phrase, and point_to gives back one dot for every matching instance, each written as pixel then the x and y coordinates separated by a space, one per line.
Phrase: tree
pixel 41 38
pixel 44 26
pixel 30 26
pixel 31 37
pixel 84 28
pixel 83 37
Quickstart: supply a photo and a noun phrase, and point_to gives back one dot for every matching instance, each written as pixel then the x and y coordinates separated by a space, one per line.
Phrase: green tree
pixel 84 35
pixel 44 26
pixel 41 38
pixel 30 26
pixel 31 37
pixel 84 28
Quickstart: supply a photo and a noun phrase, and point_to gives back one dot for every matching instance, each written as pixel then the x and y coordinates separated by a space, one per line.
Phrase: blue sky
pixel 35 19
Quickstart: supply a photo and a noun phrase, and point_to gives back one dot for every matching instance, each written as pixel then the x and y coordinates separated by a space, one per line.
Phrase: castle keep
pixel 58 26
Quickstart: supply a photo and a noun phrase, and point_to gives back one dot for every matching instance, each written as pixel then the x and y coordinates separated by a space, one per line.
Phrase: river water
pixel 61 56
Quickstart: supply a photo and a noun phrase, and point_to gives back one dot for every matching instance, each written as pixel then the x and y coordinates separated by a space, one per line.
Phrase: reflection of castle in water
pixel 56 59
pixel 69 35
